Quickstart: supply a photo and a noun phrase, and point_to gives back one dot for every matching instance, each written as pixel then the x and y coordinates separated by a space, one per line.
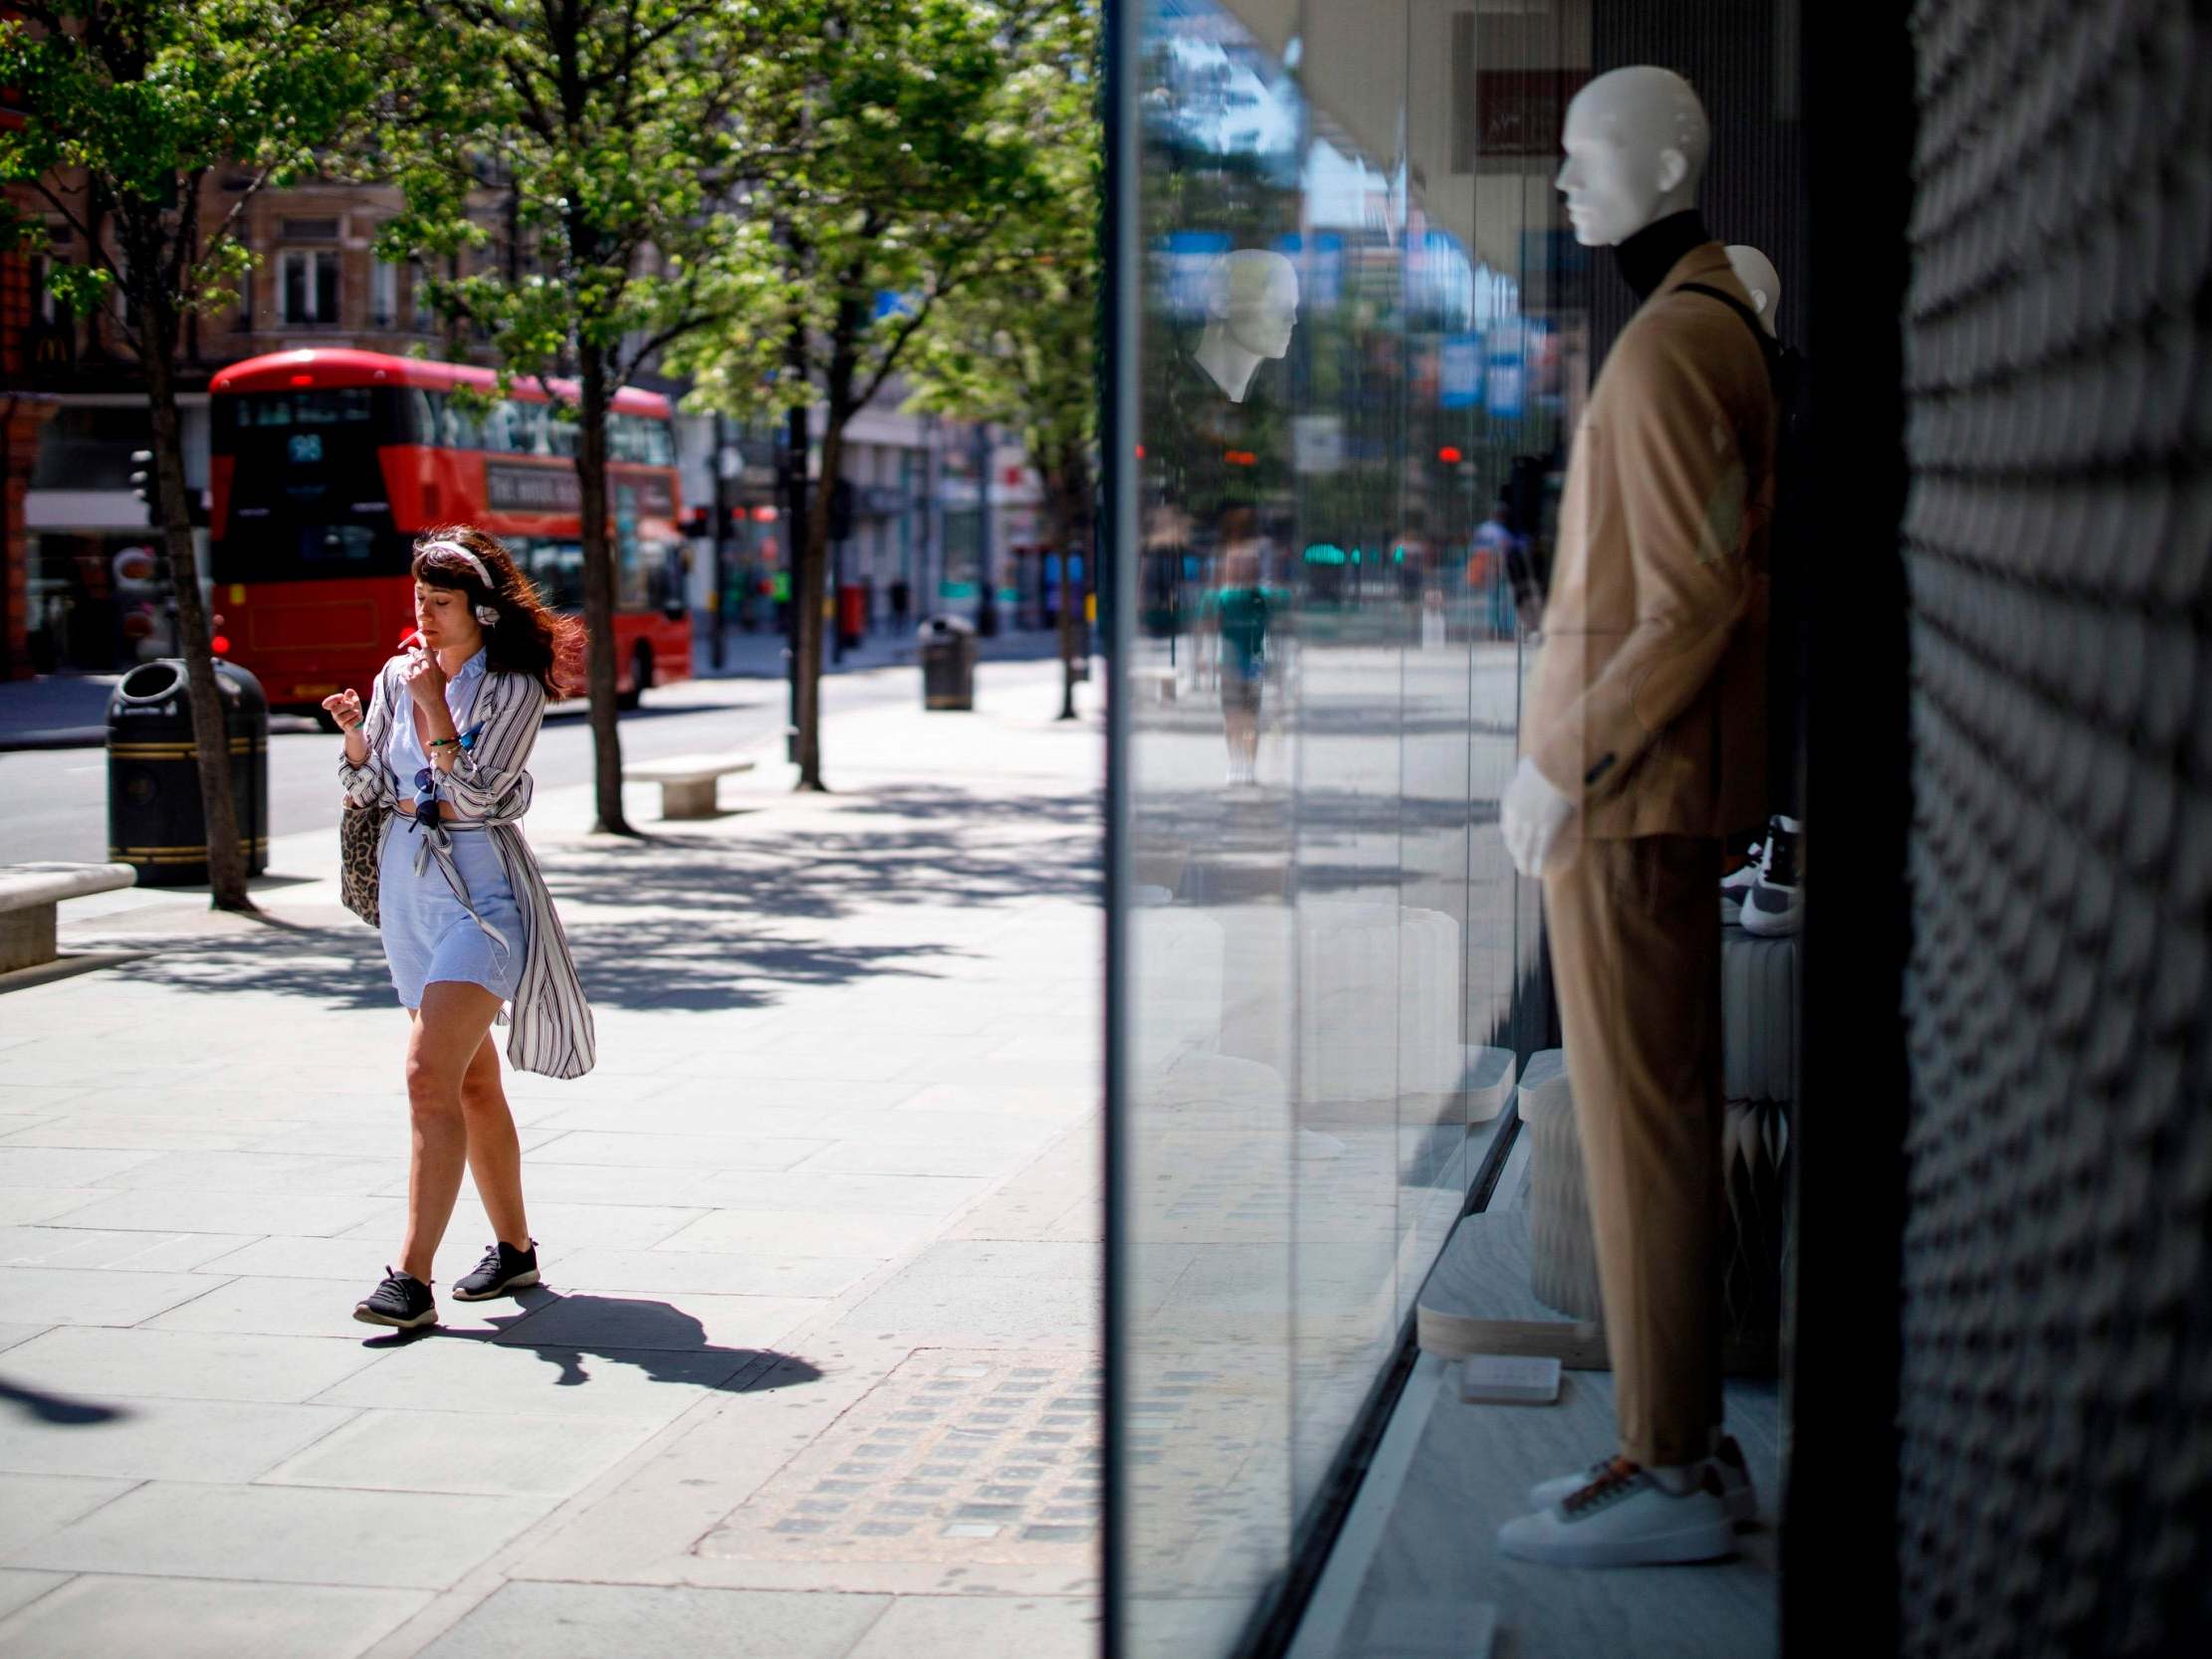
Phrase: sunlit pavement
pixel 814 1372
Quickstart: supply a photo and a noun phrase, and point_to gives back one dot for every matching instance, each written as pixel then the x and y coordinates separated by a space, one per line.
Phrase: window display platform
pixel 1429 1583
pixel 1417 1574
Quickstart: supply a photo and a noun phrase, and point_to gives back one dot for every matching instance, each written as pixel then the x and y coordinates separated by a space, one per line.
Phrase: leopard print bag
pixel 360 841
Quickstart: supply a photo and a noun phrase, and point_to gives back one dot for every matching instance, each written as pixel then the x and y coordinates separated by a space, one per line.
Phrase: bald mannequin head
pixel 1760 279
pixel 1636 142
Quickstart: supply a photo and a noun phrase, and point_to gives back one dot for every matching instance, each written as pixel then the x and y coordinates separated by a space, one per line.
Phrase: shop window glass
pixel 1346 351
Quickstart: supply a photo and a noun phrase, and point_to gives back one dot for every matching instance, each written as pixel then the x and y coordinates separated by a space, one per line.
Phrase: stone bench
pixel 29 895
pixel 686 781
pixel 1153 685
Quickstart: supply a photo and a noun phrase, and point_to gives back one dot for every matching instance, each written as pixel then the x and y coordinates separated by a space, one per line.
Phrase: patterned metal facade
pixel 2056 1392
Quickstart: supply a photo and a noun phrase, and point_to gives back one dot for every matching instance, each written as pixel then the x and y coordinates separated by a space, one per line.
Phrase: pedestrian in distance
pixel 442 756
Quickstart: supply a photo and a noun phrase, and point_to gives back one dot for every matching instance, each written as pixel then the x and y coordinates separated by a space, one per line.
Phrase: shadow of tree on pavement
pixel 685 920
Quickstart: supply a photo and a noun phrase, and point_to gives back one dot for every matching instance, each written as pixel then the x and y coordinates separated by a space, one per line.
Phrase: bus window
pixel 561 433
pixel 555 566
pixel 331 408
pixel 502 430
pixel 458 428
pixel 335 544
pixel 418 416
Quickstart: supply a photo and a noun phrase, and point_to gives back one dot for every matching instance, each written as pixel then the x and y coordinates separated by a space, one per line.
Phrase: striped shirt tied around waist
pixel 551 1029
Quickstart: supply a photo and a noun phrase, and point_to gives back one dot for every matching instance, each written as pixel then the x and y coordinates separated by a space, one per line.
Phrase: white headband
pixel 483 574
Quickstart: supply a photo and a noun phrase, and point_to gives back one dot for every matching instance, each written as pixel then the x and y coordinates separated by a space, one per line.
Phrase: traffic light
pixel 145 484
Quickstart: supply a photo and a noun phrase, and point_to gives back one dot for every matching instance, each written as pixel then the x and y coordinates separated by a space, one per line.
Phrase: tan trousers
pixel 1635 932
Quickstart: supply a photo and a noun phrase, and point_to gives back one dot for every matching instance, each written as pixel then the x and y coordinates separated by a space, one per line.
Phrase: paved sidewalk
pixel 816 1371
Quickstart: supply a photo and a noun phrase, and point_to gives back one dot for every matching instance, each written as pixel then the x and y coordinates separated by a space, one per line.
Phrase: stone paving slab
pixel 483 1376
pixel 98 1616
pixel 279 1307
pixel 255 1213
pixel 577 1227
pixel 289 1534
pixel 92 1296
pixel 508 1455
pixel 145 1439
pixel 134 1251
pixel 972 1627
pixel 101 1362
pixel 780 1274
pixel 19 1588
pixel 591 1622
pixel 32 1506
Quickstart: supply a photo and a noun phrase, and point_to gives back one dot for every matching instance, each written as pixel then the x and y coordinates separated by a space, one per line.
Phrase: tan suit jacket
pixel 1648 698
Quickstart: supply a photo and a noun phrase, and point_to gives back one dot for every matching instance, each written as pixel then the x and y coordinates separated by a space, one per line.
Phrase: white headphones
pixel 487 616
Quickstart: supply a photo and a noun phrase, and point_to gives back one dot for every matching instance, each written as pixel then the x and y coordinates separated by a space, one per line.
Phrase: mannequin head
pixel 1760 279
pixel 1252 306
pixel 1636 142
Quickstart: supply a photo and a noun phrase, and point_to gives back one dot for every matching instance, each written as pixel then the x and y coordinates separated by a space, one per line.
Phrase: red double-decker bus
pixel 327 464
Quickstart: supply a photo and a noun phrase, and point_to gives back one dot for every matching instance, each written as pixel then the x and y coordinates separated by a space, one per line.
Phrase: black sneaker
pixel 503 1269
pixel 400 1301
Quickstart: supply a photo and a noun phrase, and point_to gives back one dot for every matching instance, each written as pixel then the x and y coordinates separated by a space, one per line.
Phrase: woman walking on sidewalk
pixel 467 923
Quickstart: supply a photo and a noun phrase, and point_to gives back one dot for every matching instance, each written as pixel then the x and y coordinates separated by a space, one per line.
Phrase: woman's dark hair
pixel 528 637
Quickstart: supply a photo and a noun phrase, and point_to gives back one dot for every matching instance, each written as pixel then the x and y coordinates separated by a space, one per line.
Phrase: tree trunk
pixel 598 591
pixel 226 860
pixel 810 593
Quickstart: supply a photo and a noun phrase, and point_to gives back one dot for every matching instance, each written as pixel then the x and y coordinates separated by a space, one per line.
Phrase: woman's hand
pixel 425 681
pixel 345 708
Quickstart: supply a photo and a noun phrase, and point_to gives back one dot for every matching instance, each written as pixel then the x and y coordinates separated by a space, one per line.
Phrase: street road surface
pixel 54 802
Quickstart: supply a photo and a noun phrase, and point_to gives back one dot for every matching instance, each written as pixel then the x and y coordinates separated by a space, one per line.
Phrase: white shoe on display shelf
pixel 1775 905
pixel 1738 882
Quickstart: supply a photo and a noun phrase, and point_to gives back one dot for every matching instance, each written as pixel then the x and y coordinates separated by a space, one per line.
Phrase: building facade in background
pixel 78 596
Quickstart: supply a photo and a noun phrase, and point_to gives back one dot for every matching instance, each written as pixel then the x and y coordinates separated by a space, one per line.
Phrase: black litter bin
pixel 948 663
pixel 154 821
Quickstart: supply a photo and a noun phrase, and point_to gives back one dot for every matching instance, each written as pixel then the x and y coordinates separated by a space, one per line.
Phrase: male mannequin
pixel 1645 745
pixel 1252 306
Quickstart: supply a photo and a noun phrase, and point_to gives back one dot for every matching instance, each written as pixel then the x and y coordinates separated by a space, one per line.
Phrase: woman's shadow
pixel 664 1342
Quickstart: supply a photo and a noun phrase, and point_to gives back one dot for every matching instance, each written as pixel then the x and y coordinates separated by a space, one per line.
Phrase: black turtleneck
pixel 1648 255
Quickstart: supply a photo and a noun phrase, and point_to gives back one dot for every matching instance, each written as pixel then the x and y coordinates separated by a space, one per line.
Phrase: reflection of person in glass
pixel 1645 745
pixel 1238 611
pixel 1251 307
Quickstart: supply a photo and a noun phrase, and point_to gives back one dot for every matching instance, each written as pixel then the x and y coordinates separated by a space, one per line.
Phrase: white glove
pixel 1531 816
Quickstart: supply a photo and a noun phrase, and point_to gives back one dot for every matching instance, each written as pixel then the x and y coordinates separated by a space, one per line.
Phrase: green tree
pixel 909 156
pixel 1018 346
pixel 129 107
pixel 622 133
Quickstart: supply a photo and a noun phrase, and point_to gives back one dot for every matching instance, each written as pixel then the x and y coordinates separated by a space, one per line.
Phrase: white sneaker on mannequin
pixel 1737 1493
pixel 1628 1517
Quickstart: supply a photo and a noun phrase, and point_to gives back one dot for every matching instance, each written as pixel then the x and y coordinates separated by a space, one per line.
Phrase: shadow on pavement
pixel 703 923
pixel 58 1409
pixel 659 1339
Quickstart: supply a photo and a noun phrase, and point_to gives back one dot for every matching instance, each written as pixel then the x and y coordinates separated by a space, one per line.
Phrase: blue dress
pixel 428 935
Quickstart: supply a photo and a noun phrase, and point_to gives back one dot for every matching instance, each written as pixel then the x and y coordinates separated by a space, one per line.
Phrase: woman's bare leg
pixel 495 1152
pixel 448 1029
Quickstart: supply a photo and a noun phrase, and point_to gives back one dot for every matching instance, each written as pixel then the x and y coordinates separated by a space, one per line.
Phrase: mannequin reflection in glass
pixel 1238 611
pixel 1251 309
